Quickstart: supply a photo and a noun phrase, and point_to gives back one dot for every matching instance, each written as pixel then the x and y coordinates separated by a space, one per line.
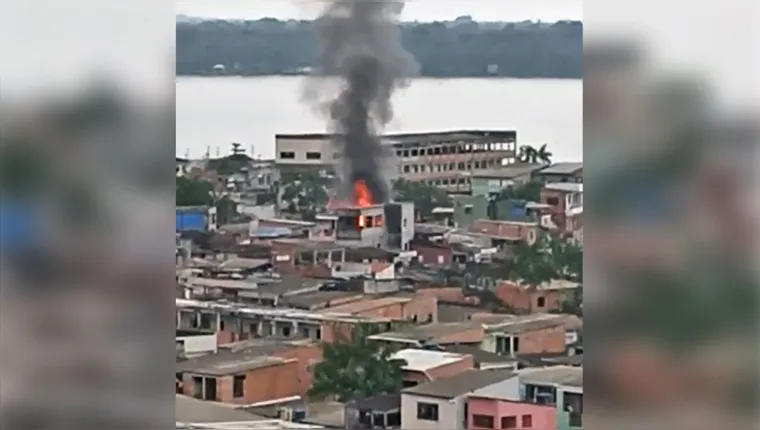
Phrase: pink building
pixel 489 413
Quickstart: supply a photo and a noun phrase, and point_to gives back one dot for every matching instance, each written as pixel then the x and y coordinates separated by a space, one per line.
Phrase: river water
pixel 213 112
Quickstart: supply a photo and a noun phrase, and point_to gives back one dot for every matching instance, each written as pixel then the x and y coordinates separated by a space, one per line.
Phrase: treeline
pixel 460 48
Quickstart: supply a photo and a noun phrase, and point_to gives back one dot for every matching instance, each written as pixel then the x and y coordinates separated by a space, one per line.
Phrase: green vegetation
pixel 355 368
pixel 425 197
pixel 531 155
pixel 194 192
pixel 461 48
pixel 304 192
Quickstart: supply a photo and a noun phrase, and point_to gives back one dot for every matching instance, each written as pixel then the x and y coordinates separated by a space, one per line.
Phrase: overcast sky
pixel 422 10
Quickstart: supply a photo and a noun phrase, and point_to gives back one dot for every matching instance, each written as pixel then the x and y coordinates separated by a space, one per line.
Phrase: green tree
pixel 425 197
pixel 529 191
pixel 194 192
pixel 543 155
pixel 356 367
pixel 226 210
pixel 304 193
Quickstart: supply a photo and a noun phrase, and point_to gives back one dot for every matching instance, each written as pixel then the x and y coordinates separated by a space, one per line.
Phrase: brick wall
pixel 433 255
pixel 550 339
pixel 264 384
pixel 520 298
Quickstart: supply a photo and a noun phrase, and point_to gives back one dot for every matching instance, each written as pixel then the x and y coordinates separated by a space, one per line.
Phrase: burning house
pixel 364 223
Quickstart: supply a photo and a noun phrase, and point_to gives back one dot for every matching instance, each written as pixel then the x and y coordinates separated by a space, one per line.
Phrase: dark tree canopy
pixel 443 49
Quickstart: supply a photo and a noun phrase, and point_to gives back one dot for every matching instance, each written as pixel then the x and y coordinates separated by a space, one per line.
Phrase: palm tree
pixel 527 154
pixel 543 155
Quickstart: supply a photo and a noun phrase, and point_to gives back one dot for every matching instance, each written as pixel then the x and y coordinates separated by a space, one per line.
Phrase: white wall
pixel 201 344
pixel 450 413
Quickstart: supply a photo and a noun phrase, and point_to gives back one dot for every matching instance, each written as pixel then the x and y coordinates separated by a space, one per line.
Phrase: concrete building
pixel 442 404
pixel 562 172
pixel 558 386
pixel 389 226
pixel 491 181
pixel 445 159
pixel 497 411
pixel 565 201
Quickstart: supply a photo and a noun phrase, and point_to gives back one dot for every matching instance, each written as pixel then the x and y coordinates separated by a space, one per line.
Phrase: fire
pixel 362 196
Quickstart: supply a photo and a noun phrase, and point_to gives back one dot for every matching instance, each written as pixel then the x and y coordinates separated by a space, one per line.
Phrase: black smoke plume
pixel 360 44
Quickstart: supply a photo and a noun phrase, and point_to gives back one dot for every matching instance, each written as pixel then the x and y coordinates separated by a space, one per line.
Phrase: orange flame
pixel 362 196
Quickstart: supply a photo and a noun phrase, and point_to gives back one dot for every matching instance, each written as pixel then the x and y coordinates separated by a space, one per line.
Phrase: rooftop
pixel 421 360
pixel 428 332
pixel 460 384
pixel 478 355
pixel 519 324
pixel 368 304
pixel 565 168
pixel 320 298
pixel 188 409
pixel 306 244
pixel 422 137
pixel 228 363
pixel 507 172
pixel 262 311
pixel 555 375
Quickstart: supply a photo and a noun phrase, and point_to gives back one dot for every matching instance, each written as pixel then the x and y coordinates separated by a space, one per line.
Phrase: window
pixel 527 421
pixel 393 419
pixel 515 344
pixel 365 417
pixel 552 201
pixel 288 155
pixel 483 421
pixel 427 411
pixel 221 325
pixel 238 386
pixel 313 156
pixel 509 422
pixel 541 302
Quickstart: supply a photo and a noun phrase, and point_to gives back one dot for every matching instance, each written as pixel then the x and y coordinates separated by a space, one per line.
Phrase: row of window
pixel 455 149
pixel 290 155
pixel 509 422
pixel 450 167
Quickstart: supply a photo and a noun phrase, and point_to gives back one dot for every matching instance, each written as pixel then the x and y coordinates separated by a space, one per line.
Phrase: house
pixel 241 379
pixel 377 412
pixel 399 307
pixel 491 181
pixel 565 201
pixel 463 332
pixel 512 336
pixel 250 372
pixel 561 172
pixel 442 404
pixel 233 321
pixel 506 232
pixel 546 297
pixel 191 343
pixel 558 386
pixel 489 410
pixel 425 365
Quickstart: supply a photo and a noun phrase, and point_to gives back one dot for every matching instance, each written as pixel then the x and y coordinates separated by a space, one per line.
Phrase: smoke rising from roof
pixel 360 44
